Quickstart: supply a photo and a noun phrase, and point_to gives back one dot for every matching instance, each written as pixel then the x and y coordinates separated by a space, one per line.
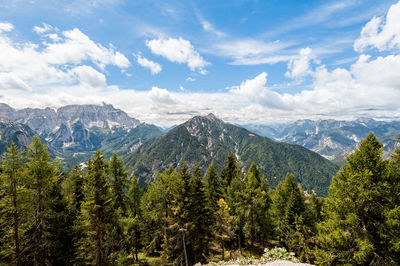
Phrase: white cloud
pixel 178 51
pixel 78 47
pixel 161 96
pixel 9 81
pixel 257 92
pixel 89 77
pixel 154 67
pixel 181 88
pixel 208 27
pixel 251 51
pixel 299 66
pixel 190 79
pixel 45 28
pixel 382 34
pixel 5 27
pixel 61 61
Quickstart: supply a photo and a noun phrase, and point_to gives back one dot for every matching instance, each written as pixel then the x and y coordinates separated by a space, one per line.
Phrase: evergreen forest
pixel 99 215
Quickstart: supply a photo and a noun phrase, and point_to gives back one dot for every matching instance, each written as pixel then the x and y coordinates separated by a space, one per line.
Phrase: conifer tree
pixel 256 204
pixel 288 204
pixel 155 208
pixel 119 182
pixel 201 219
pixel 133 219
pixel 392 212
pixel 223 220
pixel 98 213
pixel 43 175
pixel 14 200
pixel 231 170
pixel 235 200
pixel 179 223
pixel 213 188
pixel 351 232
pixel 61 230
pixel 72 189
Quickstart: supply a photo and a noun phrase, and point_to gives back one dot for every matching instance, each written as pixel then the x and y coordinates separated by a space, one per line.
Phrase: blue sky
pixel 165 61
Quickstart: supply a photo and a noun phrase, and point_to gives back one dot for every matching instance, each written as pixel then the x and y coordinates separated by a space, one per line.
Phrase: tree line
pixel 100 216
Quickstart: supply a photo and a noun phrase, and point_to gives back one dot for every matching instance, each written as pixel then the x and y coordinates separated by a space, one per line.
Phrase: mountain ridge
pixel 203 139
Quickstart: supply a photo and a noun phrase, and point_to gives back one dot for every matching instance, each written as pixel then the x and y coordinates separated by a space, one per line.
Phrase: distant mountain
pixel 74 132
pixel 205 139
pixel 18 133
pixel 331 138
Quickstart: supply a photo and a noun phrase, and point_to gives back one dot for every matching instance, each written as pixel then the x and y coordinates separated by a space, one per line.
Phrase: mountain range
pixel 74 132
pixel 332 139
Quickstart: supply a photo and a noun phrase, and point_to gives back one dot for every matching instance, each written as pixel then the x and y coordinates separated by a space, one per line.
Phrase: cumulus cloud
pixel 299 66
pixel 178 51
pixel 381 33
pixel 58 62
pixel 89 77
pixel 161 96
pixel 256 91
pixel 154 67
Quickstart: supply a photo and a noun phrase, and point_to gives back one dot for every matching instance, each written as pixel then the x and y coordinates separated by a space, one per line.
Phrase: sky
pixel 246 61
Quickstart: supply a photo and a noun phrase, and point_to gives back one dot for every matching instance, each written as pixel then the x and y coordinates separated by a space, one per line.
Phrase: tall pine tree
pixel 14 204
pixel 43 175
pixel 98 214
pixel 354 221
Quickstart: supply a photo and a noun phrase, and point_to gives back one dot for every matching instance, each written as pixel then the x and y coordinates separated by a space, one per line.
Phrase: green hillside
pixel 205 139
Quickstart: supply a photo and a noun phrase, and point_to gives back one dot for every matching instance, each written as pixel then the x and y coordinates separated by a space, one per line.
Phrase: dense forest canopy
pixel 100 215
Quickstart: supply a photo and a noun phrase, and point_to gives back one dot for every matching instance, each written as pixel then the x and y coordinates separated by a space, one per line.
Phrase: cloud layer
pixel 67 67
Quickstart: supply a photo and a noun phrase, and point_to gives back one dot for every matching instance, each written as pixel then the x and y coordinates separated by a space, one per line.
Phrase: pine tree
pixel 351 232
pixel 98 213
pixel 43 175
pixel 119 182
pixel 392 212
pixel 179 223
pixel 133 220
pixel 72 189
pixel 235 200
pixel 230 171
pixel 14 204
pixel 201 219
pixel 62 234
pixel 288 204
pixel 223 220
pixel 213 188
pixel 256 204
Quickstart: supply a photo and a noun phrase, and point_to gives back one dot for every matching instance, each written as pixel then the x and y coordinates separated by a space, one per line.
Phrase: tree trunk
pixel 240 244
pixel 223 250
pixel 15 215
pixel 184 249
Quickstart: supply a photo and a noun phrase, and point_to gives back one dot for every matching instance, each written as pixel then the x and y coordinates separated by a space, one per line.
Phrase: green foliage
pixel 353 229
pixel 14 205
pixel 204 140
pixel 222 224
pixel 255 205
pixel 213 188
pixel 118 182
pixel 288 204
pixel 98 215
pixel 43 175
